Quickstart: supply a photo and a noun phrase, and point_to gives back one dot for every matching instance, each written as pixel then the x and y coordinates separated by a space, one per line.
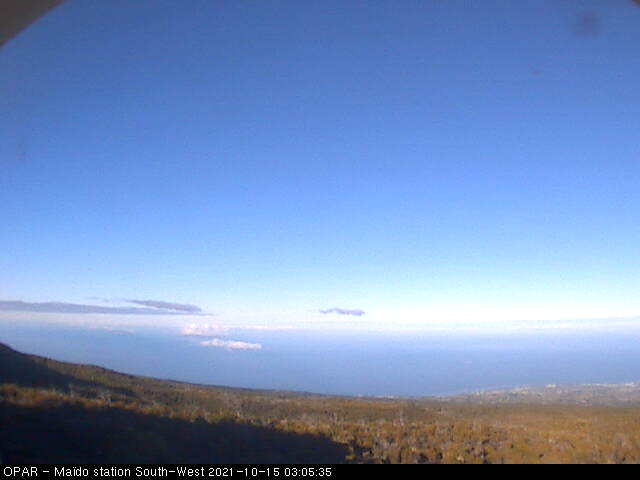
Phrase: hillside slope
pixel 56 412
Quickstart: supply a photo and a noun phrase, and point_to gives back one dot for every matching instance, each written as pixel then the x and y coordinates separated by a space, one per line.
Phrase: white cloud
pixel 203 330
pixel 231 344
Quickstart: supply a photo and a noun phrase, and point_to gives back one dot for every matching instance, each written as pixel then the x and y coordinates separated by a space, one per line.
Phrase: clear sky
pixel 388 162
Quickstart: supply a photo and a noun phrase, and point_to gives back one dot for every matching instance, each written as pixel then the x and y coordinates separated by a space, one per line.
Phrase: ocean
pixel 369 363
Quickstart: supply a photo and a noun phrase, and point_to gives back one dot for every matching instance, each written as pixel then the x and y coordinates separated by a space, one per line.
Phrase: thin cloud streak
pixel 343 311
pixel 63 307
pixel 180 307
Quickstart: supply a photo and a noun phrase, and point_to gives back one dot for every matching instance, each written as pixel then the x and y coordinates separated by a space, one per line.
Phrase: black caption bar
pixel 256 472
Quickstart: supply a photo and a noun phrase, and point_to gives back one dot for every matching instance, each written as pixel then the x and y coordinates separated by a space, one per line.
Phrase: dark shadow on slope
pixel 21 369
pixel 73 434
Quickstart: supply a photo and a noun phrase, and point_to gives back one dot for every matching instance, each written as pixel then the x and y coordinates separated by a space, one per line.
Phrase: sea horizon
pixel 342 363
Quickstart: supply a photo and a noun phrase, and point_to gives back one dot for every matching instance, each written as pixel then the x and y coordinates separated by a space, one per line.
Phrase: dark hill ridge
pixel 33 371
pixel 56 412
pixel 36 371
pixel 20 369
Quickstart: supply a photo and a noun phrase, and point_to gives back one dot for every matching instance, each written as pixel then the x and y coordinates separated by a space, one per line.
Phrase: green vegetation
pixel 60 412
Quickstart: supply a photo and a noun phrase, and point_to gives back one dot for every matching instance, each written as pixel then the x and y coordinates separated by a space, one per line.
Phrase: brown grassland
pixel 66 413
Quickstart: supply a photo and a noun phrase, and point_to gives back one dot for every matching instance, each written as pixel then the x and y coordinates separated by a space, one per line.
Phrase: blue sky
pixel 420 161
